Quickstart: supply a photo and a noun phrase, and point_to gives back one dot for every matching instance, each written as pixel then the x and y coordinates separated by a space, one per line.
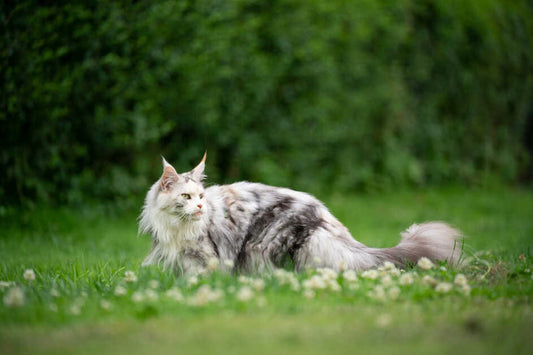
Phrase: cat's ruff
pixel 258 227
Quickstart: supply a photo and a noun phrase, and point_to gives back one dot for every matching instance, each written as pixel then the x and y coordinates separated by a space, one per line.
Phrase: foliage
pixel 312 94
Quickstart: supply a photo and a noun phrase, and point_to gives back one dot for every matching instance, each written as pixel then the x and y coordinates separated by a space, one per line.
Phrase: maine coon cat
pixel 254 227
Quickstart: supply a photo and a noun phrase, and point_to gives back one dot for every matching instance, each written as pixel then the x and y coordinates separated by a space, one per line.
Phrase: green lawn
pixel 80 257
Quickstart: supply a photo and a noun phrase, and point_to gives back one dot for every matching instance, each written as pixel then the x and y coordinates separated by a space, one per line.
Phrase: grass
pixel 80 258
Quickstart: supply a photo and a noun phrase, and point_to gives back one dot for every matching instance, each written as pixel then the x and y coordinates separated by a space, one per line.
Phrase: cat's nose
pixel 199 205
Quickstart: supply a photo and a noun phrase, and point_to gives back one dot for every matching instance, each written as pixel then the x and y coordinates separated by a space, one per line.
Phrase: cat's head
pixel 179 196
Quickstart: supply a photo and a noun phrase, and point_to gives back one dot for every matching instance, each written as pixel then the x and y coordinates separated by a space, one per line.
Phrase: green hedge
pixel 331 94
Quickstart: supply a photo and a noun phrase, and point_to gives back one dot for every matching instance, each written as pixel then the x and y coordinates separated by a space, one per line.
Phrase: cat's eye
pixel 201 196
pixel 186 196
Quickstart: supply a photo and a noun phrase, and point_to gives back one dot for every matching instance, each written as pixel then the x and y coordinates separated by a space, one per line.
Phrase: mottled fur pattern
pixel 258 227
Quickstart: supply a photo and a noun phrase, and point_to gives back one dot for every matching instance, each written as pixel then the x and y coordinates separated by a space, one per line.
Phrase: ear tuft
pixel 198 171
pixel 165 162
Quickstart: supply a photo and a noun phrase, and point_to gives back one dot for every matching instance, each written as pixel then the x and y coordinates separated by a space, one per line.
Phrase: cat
pixel 251 227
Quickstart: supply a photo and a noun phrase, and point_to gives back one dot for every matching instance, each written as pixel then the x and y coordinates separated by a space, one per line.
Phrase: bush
pixel 309 94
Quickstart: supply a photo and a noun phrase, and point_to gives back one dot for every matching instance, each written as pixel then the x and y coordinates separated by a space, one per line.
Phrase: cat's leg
pixel 190 265
pixel 194 261
pixel 254 258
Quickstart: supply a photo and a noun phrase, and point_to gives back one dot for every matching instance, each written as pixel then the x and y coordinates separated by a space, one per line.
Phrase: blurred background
pixel 316 95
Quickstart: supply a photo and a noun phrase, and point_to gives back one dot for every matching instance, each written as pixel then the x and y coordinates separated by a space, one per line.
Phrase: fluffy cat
pixel 251 227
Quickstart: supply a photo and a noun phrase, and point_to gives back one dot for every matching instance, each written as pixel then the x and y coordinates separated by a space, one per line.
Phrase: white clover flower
pixel 79 301
pixel 214 295
pixel 205 294
pixel 6 284
pixel 54 293
pixel 192 281
pixel 386 280
pixel 443 268
pixel 174 294
pixel 429 280
pixel 333 285
pixel 406 279
pixel 394 272
pixel 243 279
pixel 199 299
pixel 258 284
pixel 151 295
pixel 315 282
pixel 201 271
pixel 75 309
pixel 387 266
pixel 425 264
pixel 353 286
pixel 245 294
pixel 370 274
pixel 295 285
pixel 378 293
pixel 153 284
pixel 120 291
pixel 460 280
pixel 279 274
pixel 342 266
pixel 393 292
pixel 212 264
pixel 308 293
pixel 261 302
pixel 14 297
pixel 286 278
pixel 383 320
pixel 137 297
pixel 444 287
pixel 129 276
pixel 349 275
pixel 282 276
pixel 327 273
pixel 106 305
pixel 29 275
pixel 465 289
pixel 229 263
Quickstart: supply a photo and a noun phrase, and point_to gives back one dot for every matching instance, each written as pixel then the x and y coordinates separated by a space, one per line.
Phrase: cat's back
pixel 263 195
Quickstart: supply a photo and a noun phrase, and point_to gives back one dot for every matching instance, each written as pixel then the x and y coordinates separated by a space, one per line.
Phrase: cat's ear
pixel 198 172
pixel 169 177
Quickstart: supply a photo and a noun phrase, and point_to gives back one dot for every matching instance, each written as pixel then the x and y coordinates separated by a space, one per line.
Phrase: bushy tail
pixel 434 240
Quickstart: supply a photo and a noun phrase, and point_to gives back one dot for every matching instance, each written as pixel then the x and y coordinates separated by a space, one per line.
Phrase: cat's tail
pixel 436 241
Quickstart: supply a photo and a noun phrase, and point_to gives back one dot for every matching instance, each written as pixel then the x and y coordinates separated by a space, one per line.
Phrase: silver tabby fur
pixel 258 227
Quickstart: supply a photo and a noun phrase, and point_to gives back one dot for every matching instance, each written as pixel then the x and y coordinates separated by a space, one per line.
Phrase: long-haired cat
pixel 255 227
